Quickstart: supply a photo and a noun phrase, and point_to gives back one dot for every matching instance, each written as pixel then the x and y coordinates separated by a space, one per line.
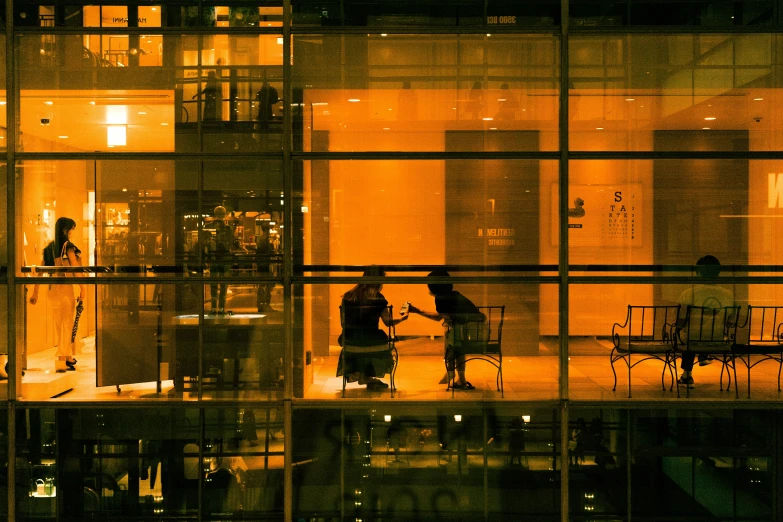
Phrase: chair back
pixel 764 326
pixel 652 323
pixel 480 334
pixel 710 329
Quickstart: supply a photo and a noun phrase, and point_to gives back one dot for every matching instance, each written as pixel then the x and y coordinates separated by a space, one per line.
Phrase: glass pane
pixel 730 479
pixel 672 212
pixel 37 480
pixel 490 213
pixel 409 93
pixel 598 456
pixel 243 463
pixel 242 233
pixel 434 463
pixel 388 13
pixel 716 90
pixel 592 13
pixel 4 352
pixel 713 13
pixel 241 13
pixel 224 96
pixel 501 340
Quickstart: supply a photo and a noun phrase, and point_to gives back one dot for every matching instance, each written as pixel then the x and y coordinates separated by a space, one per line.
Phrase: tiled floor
pixel 533 378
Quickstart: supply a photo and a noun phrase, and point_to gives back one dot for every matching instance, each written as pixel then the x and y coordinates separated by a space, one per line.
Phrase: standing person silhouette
pixel 709 296
pixel 213 98
pixel 62 252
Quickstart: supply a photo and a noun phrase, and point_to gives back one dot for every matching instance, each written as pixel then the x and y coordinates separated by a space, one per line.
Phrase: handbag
pixel 63 259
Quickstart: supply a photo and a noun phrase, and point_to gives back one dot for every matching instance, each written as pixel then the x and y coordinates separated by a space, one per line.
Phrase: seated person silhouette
pixel 577 210
pixel 452 308
pixel 709 296
pixel 361 309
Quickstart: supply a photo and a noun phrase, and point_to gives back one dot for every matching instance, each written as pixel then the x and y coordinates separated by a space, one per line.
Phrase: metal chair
pixel 762 336
pixel 478 339
pixel 648 331
pixel 711 332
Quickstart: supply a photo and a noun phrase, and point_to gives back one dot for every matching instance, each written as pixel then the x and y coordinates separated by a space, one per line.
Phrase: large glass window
pixel 384 92
pixel 628 90
pixel 433 462
pixel 493 340
pixel 179 93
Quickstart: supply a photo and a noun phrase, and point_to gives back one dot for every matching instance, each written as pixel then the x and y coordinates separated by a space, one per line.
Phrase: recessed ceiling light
pixel 758 99
pixel 63 137
pixel 2 102
pixel 599 128
pixel 48 103
pixel 92 103
pixel 384 34
pixel 489 34
pixel 630 99
pixel 493 128
pixel 164 124
pixel 487 119
pixel 710 118
pixel 705 128
pixel 386 128
pixel 142 113
pixel 354 100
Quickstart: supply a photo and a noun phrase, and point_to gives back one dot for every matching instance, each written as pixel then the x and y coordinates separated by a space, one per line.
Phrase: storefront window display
pixel 410 94
pixel 115 464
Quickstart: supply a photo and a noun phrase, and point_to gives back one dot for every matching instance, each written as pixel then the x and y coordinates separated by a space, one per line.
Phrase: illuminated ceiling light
pixel 758 99
pixel 458 418
pixel 92 103
pixel 280 41
pixel 48 103
pixel 489 34
pixel 386 128
pixel 2 102
pixel 117 114
pixel 710 118
pixel 164 124
pixel 487 119
pixel 387 418
pixel 525 418
pixel 116 135
pixel 354 100
pixel 630 99
pixel 705 128
pixel 63 137
pixel 599 128
pixel 384 34
pixel 493 128
pixel 142 113
pixel 124 189
pixel 154 8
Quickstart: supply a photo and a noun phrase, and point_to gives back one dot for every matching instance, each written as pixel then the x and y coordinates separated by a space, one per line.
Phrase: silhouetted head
pixel 708 266
pixel 439 288
pixel 62 226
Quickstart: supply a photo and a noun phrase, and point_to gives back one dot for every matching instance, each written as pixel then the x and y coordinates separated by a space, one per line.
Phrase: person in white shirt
pixel 709 296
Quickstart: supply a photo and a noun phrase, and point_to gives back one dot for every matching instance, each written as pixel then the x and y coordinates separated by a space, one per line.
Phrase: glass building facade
pixel 194 192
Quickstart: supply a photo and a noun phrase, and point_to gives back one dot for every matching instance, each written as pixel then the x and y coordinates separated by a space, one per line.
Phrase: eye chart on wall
pixel 601 215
